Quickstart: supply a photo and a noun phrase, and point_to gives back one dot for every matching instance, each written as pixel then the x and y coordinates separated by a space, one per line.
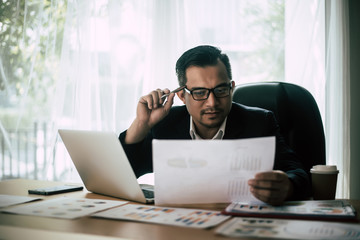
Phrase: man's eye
pixel 221 90
pixel 199 93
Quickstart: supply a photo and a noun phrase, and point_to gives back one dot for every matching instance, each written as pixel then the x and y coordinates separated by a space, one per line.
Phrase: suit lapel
pixel 234 127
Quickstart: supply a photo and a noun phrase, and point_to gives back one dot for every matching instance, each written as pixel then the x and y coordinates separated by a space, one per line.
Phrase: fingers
pixel 271 187
pixel 156 98
pixel 275 175
pixel 269 180
pixel 262 184
pixel 271 197
pixel 153 100
pixel 169 102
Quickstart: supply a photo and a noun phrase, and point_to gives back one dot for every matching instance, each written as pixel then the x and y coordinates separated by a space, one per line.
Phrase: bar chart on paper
pixel 170 216
pixel 288 229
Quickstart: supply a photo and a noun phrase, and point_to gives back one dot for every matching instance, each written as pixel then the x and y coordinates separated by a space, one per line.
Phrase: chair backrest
pixel 296 112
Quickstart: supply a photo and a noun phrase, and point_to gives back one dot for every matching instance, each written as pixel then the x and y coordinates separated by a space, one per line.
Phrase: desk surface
pixel 98 226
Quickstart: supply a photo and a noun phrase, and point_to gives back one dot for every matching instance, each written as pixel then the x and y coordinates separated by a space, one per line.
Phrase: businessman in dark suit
pixel 209 113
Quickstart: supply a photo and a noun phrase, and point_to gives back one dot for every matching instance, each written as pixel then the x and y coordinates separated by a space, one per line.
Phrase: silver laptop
pixel 103 165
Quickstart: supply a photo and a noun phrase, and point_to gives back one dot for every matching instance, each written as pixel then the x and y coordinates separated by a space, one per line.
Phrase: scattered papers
pixel 185 169
pixel 288 229
pixel 323 209
pixel 64 207
pixel 170 216
pixel 9 200
pixel 16 233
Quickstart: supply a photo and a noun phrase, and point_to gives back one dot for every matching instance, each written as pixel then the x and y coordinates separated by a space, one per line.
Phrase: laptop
pixel 103 165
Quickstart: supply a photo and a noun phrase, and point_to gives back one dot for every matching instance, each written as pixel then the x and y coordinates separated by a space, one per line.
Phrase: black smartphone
pixel 55 190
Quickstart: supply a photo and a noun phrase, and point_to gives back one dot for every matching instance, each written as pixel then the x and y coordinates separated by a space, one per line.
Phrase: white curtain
pixel 114 51
pixel 317 58
pixel 104 52
pixel 30 43
pixel 305 47
pixel 338 92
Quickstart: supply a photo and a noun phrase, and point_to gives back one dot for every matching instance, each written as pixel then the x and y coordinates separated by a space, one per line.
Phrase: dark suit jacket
pixel 242 122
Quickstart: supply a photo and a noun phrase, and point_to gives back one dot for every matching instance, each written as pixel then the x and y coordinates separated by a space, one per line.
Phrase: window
pixel 84 64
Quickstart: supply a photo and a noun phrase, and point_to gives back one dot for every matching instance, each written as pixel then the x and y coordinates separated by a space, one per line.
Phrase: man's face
pixel 209 113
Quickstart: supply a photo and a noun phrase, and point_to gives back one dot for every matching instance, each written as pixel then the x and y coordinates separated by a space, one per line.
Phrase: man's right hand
pixel 151 109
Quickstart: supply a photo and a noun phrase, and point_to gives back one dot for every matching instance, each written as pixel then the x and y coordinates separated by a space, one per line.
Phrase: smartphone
pixel 55 190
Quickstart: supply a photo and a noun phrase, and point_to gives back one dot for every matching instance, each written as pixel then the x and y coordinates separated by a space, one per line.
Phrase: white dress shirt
pixel 219 135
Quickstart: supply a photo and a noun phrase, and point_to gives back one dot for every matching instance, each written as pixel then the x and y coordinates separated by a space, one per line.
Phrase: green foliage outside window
pixel 30 47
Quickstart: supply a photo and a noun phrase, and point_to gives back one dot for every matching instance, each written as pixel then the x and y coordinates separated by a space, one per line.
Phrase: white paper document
pixel 8 200
pixel 288 229
pixel 216 171
pixel 65 207
pixel 194 218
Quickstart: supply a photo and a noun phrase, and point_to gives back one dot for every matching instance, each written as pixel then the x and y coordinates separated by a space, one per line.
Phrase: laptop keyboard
pixel 148 193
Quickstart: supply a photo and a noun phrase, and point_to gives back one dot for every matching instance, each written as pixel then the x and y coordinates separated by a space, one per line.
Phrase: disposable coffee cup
pixel 324 179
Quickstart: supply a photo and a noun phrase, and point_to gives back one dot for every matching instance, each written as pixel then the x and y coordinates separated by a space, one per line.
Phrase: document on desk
pixel 329 210
pixel 8 200
pixel 184 217
pixel 203 171
pixel 64 207
pixel 288 229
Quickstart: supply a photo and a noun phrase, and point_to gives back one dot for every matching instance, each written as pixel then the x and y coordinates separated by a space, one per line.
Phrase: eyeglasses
pixel 220 91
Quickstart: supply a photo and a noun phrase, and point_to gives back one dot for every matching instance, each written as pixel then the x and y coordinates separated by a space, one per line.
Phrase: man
pixel 209 113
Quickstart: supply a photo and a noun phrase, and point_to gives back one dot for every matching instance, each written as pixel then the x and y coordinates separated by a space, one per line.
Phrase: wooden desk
pixel 98 226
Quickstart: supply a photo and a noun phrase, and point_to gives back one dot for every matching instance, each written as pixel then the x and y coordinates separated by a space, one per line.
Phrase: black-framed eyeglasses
pixel 220 91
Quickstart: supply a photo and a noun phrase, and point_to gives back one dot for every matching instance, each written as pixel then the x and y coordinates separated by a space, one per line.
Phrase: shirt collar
pixel 219 135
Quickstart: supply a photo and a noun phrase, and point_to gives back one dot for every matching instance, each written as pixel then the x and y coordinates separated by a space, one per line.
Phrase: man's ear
pixel 181 95
pixel 232 86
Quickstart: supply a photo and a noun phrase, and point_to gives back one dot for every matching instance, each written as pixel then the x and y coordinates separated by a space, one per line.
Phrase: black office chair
pixel 297 114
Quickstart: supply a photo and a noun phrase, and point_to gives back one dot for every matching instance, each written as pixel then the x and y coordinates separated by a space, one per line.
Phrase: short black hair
pixel 200 56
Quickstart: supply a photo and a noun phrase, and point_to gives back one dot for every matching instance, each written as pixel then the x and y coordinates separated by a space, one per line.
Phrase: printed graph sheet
pixel 288 229
pixel 194 218
pixel 188 172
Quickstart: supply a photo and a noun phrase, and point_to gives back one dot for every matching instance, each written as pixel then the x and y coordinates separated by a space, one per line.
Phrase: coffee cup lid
pixel 324 169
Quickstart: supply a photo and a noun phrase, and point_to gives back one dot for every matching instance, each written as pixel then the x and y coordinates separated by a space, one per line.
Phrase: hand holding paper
pixel 272 187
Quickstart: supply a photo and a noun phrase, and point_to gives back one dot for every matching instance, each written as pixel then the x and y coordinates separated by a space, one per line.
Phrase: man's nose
pixel 211 101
